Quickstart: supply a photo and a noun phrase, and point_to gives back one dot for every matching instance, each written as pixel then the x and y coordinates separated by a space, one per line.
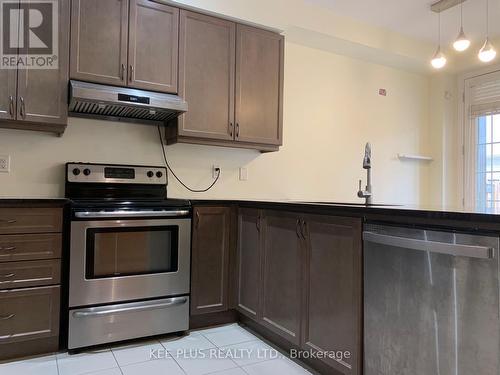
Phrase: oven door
pixel 124 260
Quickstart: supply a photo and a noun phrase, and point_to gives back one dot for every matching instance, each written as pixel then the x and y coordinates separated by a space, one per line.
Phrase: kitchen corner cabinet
pixel 300 276
pixel 130 43
pixel 232 78
pixel 210 259
pixel 36 99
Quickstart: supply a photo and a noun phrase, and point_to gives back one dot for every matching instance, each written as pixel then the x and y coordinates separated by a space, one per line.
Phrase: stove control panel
pixel 113 173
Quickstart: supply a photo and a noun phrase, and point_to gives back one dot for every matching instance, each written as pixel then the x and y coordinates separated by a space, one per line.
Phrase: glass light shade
pixel 461 43
pixel 439 59
pixel 487 52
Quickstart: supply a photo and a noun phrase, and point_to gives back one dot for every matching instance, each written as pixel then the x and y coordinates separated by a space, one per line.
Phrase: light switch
pixel 243 174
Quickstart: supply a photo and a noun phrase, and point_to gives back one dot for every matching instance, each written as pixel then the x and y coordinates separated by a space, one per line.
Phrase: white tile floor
pixel 226 350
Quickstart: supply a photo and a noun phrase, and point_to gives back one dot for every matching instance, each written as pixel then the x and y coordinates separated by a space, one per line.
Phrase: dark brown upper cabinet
pixel 210 259
pixel 282 282
pixel 36 99
pixel 333 289
pixel 249 263
pixel 99 34
pixel 232 78
pixel 153 46
pixel 110 47
pixel 259 86
pixel 206 76
pixel 8 94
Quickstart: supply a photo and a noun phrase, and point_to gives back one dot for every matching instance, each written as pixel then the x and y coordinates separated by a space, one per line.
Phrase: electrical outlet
pixel 5 163
pixel 215 171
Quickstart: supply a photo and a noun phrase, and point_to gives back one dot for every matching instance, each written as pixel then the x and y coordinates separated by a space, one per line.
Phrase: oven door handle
pixel 139 306
pixel 126 213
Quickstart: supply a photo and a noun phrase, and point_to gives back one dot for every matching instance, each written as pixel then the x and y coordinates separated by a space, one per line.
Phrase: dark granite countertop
pixel 7 202
pixel 446 216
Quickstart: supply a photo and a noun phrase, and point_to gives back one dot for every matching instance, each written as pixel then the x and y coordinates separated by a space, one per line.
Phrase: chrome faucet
pixel 367 164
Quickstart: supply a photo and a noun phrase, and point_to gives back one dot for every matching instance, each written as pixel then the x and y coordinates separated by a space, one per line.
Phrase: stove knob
pixel 76 171
pixel 159 174
pixel 86 171
pixel 150 174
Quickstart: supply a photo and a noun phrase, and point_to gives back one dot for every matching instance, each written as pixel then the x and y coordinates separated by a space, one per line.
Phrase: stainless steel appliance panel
pixel 432 302
pixel 85 290
pixel 104 324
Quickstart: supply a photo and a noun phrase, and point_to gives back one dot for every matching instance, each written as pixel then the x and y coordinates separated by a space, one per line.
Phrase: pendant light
pixel 462 42
pixel 487 52
pixel 439 59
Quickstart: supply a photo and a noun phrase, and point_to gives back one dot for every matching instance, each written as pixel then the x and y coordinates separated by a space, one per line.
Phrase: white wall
pixel 331 109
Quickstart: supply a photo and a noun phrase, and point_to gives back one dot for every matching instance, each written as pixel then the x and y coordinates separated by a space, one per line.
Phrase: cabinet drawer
pixel 30 220
pixel 30 247
pixel 28 314
pixel 30 274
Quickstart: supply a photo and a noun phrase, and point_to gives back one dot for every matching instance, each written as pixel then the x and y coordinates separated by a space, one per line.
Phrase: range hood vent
pixel 110 102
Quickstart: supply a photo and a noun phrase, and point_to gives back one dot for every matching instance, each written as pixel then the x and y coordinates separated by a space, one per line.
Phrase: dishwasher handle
pixel 470 251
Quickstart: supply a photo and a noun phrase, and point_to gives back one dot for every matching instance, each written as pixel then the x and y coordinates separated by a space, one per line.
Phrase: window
pixel 482 142
pixel 488 163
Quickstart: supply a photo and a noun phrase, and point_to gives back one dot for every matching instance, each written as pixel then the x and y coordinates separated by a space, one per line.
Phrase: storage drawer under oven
pixel 110 323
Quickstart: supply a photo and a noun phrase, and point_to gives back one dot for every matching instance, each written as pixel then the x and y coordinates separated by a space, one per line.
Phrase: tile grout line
pixel 113 354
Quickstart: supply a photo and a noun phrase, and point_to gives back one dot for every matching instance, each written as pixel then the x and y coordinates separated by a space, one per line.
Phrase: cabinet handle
pixel 123 72
pixel 7 317
pixel 8 248
pixel 8 276
pixel 237 130
pixel 298 229
pixel 131 72
pixel 11 106
pixel 231 129
pixel 8 221
pixel 22 110
pixel 197 220
pixel 257 224
pixel 303 229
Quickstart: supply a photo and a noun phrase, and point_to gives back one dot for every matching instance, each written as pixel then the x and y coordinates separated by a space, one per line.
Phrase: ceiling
pixel 414 18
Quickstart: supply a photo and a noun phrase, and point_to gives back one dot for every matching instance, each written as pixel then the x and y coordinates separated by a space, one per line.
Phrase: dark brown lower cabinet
pixel 29 314
pixel 282 282
pixel 300 277
pixel 210 259
pixel 248 298
pixel 332 290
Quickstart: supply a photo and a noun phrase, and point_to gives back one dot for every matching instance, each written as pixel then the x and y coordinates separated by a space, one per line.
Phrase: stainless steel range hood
pixel 110 102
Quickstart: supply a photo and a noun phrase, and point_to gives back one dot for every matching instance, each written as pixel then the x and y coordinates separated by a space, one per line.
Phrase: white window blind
pixel 484 95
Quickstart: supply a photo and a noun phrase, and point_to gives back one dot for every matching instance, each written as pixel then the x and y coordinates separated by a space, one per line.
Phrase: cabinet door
pixel 8 94
pixel 210 259
pixel 332 289
pixel 99 32
pixel 18 322
pixel 282 285
pixel 259 86
pixel 249 262
pixel 153 46
pixel 206 76
pixel 43 93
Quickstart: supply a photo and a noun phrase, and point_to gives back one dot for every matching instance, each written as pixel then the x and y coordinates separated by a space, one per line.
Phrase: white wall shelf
pixel 414 157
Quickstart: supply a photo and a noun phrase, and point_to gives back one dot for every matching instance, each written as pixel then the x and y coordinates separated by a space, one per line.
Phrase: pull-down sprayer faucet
pixel 367 164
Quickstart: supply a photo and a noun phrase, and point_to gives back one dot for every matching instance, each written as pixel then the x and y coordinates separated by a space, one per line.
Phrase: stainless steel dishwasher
pixel 431 302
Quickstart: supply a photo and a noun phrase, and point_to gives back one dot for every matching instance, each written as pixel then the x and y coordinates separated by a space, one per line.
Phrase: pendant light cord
pixel 487 19
pixel 175 176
